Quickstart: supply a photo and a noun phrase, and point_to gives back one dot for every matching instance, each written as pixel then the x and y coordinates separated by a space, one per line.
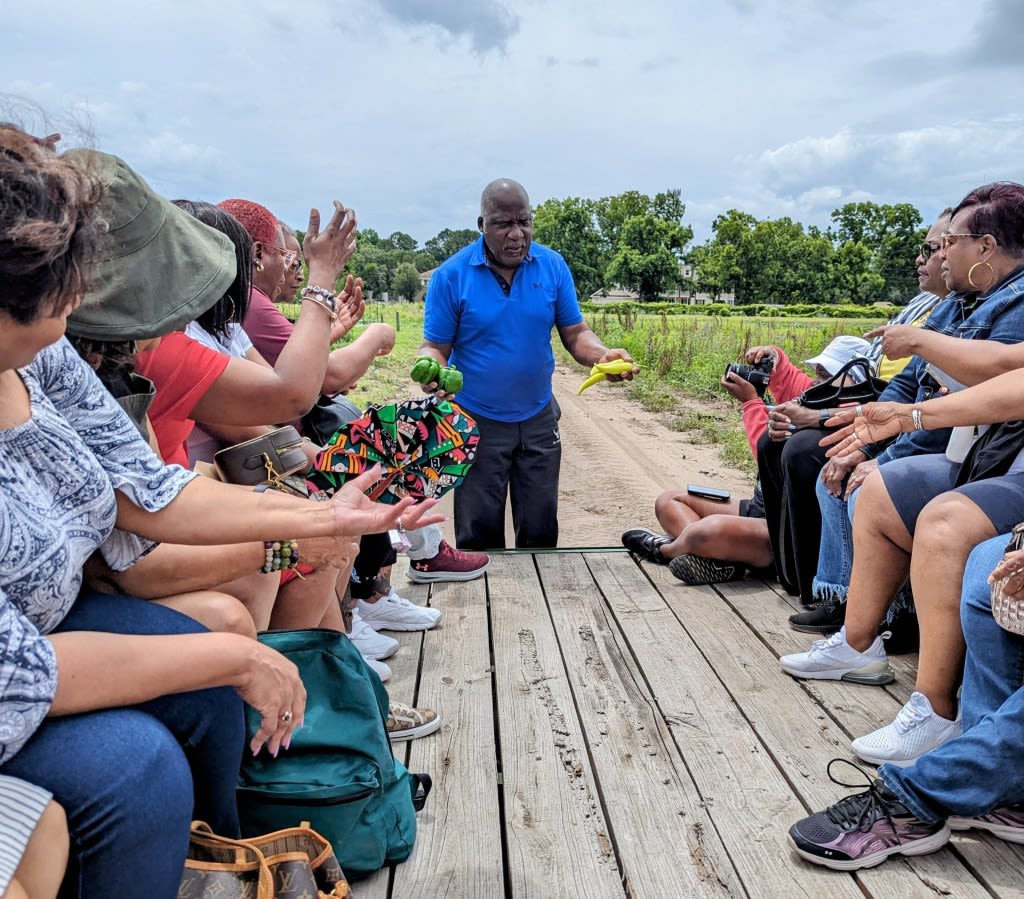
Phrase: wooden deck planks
pixel 664 836
pixel 558 841
pixel 649 744
pixel 739 780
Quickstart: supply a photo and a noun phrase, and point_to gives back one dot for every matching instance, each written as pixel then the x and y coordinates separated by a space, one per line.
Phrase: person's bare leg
pixel 730 538
pixel 216 611
pixel 302 601
pixel 42 867
pixel 257 592
pixel 949 527
pixel 881 562
pixel 676 510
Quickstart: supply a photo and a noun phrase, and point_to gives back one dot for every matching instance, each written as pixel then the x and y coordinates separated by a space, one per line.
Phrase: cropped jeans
pixel 132 779
pixel 981 770
pixel 835 554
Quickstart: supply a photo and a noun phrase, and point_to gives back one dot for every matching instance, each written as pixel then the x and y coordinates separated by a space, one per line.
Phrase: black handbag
pixel 992 453
pixel 327 417
pixel 833 392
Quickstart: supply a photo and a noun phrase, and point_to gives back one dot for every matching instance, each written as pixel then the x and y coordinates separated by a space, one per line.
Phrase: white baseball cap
pixel 839 351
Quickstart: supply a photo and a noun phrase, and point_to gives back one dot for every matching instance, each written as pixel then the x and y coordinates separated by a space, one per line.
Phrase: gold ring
pixel 286 717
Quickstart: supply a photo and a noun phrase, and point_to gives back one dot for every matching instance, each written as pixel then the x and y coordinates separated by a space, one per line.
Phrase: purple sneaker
pixel 862 831
pixel 1007 823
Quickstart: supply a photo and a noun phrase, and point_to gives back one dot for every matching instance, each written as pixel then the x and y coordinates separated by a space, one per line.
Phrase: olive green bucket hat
pixel 158 269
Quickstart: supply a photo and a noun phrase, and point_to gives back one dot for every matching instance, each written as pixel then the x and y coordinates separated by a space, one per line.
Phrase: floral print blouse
pixel 58 474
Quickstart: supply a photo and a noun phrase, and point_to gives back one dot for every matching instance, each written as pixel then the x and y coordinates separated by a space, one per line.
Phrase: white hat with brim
pixel 839 351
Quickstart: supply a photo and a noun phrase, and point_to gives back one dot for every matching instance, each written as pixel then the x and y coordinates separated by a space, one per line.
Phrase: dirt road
pixel 617 457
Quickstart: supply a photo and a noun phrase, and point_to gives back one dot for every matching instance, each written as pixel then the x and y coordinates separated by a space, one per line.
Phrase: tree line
pixel 641 243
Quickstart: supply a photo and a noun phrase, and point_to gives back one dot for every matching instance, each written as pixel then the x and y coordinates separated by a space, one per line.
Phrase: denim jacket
pixel 999 316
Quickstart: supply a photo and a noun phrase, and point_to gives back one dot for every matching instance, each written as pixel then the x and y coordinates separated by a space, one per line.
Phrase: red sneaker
pixel 450 564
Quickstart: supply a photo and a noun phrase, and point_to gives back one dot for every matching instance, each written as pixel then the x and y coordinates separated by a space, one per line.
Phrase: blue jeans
pixel 132 779
pixel 980 770
pixel 835 554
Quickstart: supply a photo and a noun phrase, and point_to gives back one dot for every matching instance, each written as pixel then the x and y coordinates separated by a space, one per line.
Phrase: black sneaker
pixel 698 570
pixel 643 544
pixel 862 831
pixel 824 619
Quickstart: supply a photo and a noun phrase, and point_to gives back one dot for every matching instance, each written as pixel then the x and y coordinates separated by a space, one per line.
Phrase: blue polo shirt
pixel 501 344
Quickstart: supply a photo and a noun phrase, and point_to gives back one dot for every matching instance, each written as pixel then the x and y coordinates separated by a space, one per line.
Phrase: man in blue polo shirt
pixel 489 312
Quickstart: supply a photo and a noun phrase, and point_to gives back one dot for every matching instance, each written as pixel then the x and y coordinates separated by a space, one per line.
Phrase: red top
pixel 266 325
pixel 787 383
pixel 182 371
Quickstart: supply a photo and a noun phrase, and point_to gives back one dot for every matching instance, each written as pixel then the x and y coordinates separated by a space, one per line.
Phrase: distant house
pixel 425 278
pixel 618 294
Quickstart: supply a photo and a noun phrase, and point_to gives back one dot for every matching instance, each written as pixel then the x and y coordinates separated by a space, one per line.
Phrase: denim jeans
pixel 980 770
pixel 835 555
pixel 132 779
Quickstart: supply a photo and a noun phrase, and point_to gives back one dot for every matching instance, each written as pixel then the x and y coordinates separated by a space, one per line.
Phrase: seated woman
pixel 146 712
pixel 971 782
pixel 707 541
pixel 841 476
pixel 918 516
pixel 432 559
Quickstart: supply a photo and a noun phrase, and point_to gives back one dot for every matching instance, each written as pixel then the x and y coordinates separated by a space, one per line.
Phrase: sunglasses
pixel 926 249
pixel 949 240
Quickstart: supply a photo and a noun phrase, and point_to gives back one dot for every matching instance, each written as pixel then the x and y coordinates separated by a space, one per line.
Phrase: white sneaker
pixel 371 644
pixel 834 659
pixel 394 613
pixel 382 669
pixel 913 732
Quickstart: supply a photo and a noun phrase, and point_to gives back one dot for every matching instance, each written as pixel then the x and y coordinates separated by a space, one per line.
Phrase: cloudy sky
pixel 404 109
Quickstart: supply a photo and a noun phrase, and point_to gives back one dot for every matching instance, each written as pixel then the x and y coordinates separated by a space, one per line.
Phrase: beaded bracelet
pixel 280 555
pixel 324 298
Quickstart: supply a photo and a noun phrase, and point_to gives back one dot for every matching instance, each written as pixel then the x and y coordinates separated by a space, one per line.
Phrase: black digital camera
pixel 759 375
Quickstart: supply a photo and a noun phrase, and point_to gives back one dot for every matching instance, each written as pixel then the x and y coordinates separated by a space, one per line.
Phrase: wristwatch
pixel 823 416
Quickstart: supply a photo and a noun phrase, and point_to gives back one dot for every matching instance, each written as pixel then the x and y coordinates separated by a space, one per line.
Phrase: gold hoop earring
pixel 259 266
pixel 970 276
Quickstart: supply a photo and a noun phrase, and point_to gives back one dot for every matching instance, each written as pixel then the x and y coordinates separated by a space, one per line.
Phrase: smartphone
pixel 951 384
pixel 717 494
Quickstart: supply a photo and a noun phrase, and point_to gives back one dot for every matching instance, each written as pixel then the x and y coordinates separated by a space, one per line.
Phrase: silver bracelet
pixel 322 297
pixel 915 417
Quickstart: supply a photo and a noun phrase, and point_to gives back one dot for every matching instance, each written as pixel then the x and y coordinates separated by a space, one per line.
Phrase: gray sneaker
pixel 862 831
pixel 1007 823
pixel 834 659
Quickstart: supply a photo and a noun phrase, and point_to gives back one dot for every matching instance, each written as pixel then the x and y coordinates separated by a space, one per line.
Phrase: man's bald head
pixel 506 223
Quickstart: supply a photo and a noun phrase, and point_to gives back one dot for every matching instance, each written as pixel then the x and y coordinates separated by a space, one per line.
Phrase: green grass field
pixel 682 359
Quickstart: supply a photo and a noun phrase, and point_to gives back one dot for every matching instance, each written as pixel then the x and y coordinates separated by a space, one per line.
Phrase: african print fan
pixel 425 447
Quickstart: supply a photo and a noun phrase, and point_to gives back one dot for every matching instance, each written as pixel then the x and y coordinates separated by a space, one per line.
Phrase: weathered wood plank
pixel 856 709
pixel 665 838
pixel 405 666
pixel 458 847
pixel 557 838
pixel 802 739
pixel 745 793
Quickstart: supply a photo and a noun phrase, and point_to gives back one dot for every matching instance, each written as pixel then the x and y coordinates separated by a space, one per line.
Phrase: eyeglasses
pixel 289 256
pixel 926 249
pixel 947 240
